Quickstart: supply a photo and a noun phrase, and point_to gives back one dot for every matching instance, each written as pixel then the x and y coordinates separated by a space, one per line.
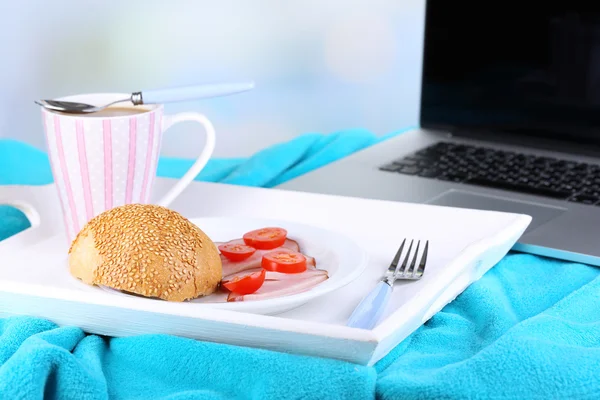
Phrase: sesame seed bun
pixel 147 250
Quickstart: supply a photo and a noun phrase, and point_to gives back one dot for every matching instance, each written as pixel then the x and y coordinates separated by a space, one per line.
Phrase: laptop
pixel 509 121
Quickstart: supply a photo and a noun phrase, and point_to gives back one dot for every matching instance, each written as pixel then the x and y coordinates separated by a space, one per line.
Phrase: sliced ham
pixel 279 276
pixel 255 260
pixel 297 283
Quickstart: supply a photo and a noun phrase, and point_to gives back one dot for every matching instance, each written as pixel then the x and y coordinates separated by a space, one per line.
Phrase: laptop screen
pixel 506 66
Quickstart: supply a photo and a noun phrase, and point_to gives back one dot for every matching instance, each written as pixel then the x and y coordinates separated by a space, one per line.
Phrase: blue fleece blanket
pixel 530 328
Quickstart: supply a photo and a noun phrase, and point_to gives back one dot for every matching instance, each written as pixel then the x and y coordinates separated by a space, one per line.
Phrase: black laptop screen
pixel 514 67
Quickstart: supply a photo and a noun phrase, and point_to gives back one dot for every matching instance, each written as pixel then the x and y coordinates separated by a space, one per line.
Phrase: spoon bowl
pixel 73 107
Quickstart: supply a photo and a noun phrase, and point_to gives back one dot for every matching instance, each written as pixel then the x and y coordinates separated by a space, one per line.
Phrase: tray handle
pixel 31 201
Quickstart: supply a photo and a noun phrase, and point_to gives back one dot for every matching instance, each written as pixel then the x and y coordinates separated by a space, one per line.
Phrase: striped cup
pixel 101 162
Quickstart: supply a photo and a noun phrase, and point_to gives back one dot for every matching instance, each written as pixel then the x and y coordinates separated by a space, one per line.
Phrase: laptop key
pixel 568 188
pixel 409 170
pixel 591 192
pixel 405 162
pixel 429 173
pixel 585 199
pixel 389 167
pixel 456 178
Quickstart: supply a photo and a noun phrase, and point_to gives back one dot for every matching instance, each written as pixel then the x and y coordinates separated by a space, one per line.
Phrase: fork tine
pixel 401 268
pixel 394 264
pixel 411 269
pixel 421 269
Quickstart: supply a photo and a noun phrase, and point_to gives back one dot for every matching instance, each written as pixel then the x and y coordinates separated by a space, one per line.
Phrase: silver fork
pixel 369 310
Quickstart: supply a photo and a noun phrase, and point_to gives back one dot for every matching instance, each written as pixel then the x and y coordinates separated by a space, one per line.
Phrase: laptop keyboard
pixel 542 176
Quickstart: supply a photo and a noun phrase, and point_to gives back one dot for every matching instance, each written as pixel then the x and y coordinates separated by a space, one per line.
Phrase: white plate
pixel 342 258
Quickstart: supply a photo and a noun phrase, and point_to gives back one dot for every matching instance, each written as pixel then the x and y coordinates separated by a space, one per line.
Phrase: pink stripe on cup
pixel 85 172
pixel 108 171
pixel 54 171
pixel 131 167
pixel 156 156
pixel 143 195
pixel 63 167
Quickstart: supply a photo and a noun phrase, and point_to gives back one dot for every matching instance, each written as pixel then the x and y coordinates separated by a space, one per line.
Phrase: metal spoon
pixel 152 97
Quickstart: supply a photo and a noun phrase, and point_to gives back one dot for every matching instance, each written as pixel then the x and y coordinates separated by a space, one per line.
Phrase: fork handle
pixel 370 309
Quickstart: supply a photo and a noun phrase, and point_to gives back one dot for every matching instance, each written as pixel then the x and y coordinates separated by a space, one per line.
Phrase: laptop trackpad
pixel 540 213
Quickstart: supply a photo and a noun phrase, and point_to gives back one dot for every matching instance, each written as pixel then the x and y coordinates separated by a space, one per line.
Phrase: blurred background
pixel 319 65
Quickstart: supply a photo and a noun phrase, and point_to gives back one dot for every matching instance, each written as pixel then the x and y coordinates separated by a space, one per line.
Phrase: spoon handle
pixel 194 92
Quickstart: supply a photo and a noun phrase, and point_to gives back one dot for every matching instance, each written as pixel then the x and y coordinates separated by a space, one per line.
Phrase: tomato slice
pixel 246 284
pixel 286 261
pixel 236 251
pixel 266 238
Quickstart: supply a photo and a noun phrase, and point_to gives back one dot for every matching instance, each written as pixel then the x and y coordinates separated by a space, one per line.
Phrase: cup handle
pixel 209 147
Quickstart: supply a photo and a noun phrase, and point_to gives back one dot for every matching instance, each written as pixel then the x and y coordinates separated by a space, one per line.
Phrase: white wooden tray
pixel 464 244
